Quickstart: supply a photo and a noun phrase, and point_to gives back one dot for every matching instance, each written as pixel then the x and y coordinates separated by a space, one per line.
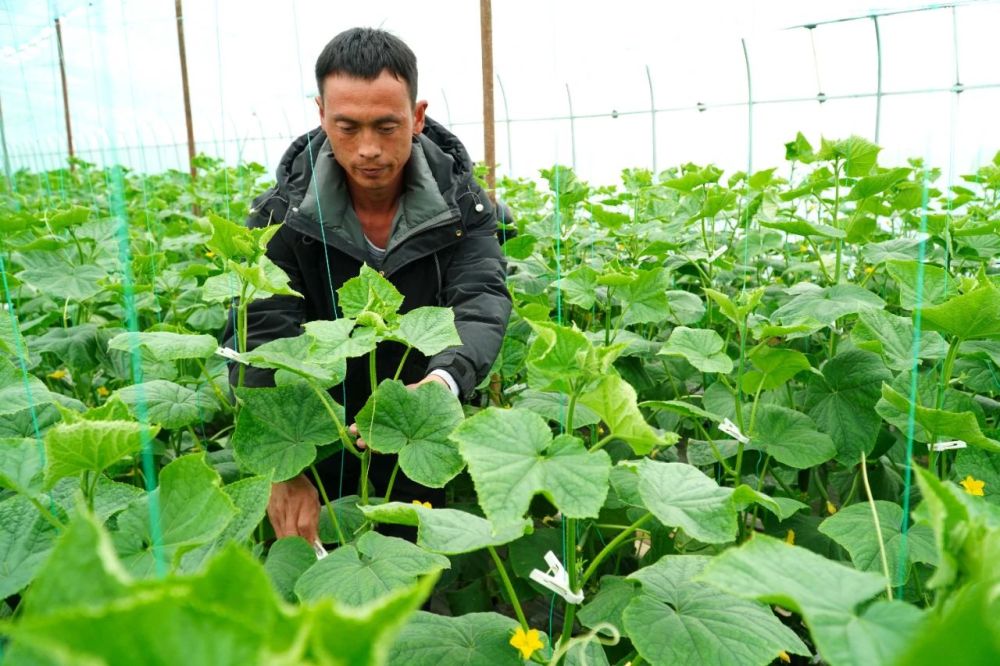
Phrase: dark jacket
pixel 442 252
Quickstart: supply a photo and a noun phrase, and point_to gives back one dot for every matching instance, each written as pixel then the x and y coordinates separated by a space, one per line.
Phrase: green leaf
pixel 192 510
pixel 702 348
pixel 446 531
pixel 680 495
pixel 965 531
pixel 474 638
pixel 369 292
pixel 854 528
pixel 250 497
pixel 869 186
pixel 892 337
pixel 858 154
pixel 363 572
pixel 25 541
pixel 333 339
pixel 21 463
pixel 512 457
pixel 939 422
pixel 775 366
pixel 552 406
pixel 934 283
pixel 562 359
pixel 230 240
pixel 73 283
pixel 91 446
pixel 684 308
pixel 613 595
pixel 614 400
pixel 677 620
pixel 972 316
pixel 969 621
pixel 286 561
pixel 18 392
pixel 265 277
pixel 825 593
pixel 428 329
pixel 170 405
pixel 297 355
pixel 414 423
pixel 802 227
pixel 791 437
pixel 279 428
pixel 842 402
pixel 645 298
pixel 579 286
pixel 828 304
pixel 164 346
pixel 79 347
pixel 980 464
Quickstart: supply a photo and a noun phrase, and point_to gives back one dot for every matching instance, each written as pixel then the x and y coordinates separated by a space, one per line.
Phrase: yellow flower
pixel 423 504
pixel 790 538
pixel 526 641
pixel 803 248
pixel 58 374
pixel 783 656
pixel 209 254
pixel 830 508
pixel 103 392
pixel 973 486
pixel 869 269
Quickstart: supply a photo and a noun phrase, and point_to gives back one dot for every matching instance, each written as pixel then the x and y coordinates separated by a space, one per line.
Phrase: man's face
pixel 370 125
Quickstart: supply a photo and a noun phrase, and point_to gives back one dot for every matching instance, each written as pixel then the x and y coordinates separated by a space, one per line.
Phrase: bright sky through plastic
pixel 250 64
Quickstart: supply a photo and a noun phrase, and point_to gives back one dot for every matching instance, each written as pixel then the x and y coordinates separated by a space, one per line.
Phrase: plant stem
pixel 392 480
pixel 372 377
pixel 402 362
pixel 241 330
pixel 223 400
pixel 612 546
pixel 878 527
pixel 836 223
pixel 345 438
pixel 502 570
pixel 567 630
pixel 366 461
pixel 329 507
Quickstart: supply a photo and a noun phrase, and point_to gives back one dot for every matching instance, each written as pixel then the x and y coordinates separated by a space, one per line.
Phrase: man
pixel 378 183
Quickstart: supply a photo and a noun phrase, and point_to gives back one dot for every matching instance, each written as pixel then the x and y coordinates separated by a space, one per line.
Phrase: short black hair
pixel 364 53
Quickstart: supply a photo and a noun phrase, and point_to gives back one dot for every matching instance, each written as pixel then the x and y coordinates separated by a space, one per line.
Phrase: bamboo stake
pixel 184 85
pixel 489 123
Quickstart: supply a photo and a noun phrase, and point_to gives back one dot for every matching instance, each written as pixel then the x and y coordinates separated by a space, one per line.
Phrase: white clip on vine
pixel 949 445
pixel 556 579
pixel 230 354
pixel 733 431
pixel 319 550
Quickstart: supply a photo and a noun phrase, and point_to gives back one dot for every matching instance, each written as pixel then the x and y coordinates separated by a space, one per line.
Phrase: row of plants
pixel 735 419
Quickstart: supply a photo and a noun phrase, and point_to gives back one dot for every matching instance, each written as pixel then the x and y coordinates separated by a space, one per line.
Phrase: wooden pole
pixel 65 91
pixel 184 85
pixel 489 123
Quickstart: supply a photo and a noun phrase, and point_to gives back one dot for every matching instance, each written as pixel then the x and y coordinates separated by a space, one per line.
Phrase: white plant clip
pixel 733 431
pixel 949 446
pixel 230 354
pixel 319 550
pixel 556 579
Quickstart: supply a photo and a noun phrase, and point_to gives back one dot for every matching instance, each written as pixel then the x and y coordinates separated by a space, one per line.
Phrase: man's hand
pixel 360 443
pixel 294 509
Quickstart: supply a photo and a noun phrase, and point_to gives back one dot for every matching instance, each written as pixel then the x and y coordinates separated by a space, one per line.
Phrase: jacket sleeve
pixel 272 317
pixel 474 286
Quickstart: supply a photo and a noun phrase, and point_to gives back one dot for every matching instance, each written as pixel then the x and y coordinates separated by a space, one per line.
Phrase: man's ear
pixel 319 105
pixel 419 116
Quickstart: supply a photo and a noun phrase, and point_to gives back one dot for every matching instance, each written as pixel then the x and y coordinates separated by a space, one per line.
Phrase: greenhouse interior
pixel 352 334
